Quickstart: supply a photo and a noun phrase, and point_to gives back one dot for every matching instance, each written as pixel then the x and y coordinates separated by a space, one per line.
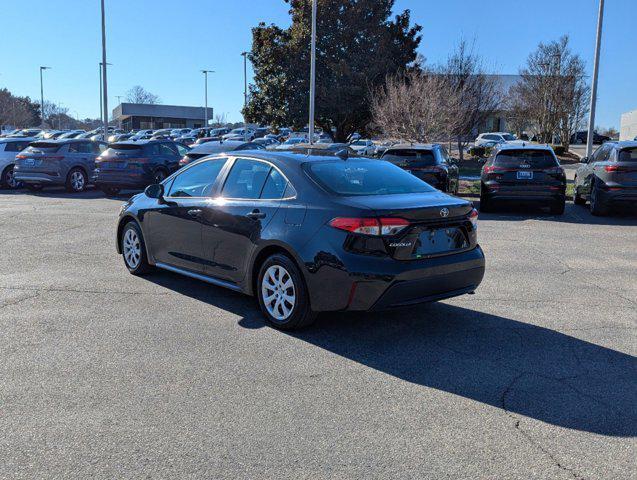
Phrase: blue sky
pixel 162 45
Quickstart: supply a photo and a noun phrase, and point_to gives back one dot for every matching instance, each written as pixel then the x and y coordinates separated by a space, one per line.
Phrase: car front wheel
pixel 282 294
pixel 134 249
pixel 76 180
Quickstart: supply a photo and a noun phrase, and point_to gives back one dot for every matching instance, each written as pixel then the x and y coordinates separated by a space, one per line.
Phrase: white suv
pixel 494 137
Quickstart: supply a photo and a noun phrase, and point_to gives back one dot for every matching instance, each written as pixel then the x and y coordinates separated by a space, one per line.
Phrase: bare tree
pixel 414 106
pixel 479 95
pixel 17 111
pixel 219 120
pixel 553 91
pixel 138 94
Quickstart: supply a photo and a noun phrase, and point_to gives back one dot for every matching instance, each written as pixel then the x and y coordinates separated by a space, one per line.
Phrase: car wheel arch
pixel 125 220
pixel 261 255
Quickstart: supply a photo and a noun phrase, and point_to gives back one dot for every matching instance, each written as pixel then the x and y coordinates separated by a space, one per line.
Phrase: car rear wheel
pixel 282 294
pixel 597 205
pixel 557 208
pixel 76 180
pixel 134 249
pixel 485 203
pixel 577 198
pixel 7 180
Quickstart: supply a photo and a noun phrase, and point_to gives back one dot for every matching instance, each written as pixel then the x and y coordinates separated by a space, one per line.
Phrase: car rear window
pixel 628 155
pixel 416 158
pixel 365 177
pixel 47 147
pixel 534 158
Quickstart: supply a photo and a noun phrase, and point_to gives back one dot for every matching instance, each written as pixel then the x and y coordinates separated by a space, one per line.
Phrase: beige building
pixel 628 130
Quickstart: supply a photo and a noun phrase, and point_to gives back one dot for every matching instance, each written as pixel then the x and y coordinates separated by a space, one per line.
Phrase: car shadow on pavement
pixel 60 192
pixel 573 214
pixel 520 368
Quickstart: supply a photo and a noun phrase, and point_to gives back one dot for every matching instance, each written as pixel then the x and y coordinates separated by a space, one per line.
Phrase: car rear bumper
pixel 522 194
pixel 120 179
pixel 619 195
pixel 370 283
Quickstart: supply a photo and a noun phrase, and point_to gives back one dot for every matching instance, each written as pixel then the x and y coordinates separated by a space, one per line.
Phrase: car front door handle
pixel 194 212
pixel 256 214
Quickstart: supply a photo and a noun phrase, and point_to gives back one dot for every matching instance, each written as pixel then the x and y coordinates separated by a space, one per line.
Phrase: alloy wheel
pixel 278 292
pixel 10 179
pixel 132 248
pixel 77 181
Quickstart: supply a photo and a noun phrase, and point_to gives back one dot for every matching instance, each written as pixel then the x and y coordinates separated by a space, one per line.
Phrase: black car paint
pixel 224 240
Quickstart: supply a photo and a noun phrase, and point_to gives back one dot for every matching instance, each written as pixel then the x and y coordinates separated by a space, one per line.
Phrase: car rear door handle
pixel 256 214
pixel 194 212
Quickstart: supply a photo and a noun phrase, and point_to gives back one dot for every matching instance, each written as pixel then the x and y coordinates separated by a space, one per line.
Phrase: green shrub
pixel 477 151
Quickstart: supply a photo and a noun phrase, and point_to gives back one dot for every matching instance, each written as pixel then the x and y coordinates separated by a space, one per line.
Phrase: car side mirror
pixel 583 160
pixel 155 191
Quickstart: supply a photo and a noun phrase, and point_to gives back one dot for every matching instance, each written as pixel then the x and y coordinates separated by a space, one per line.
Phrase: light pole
pixel 205 73
pixel 312 73
pixel 101 109
pixel 104 65
pixel 42 94
pixel 591 118
pixel 245 95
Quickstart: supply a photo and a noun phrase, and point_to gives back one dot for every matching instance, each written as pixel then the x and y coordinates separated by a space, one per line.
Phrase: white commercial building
pixel 628 130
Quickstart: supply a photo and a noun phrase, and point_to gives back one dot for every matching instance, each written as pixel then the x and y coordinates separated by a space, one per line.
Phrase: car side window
pixel 274 187
pixel 99 147
pixel 246 179
pixel 167 149
pixel 80 147
pixel 600 154
pixel 196 181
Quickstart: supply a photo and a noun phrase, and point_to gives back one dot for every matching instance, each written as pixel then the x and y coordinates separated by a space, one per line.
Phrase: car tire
pixel 7 180
pixel 558 207
pixel 577 198
pixel 34 187
pixel 133 249
pixel 598 207
pixel 110 191
pixel 76 180
pixel 485 203
pixel 282 294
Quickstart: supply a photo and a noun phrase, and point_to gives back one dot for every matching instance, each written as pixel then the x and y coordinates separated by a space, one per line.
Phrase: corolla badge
pixel 444 212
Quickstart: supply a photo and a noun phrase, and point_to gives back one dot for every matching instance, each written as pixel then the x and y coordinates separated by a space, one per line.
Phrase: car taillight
pixel 473 218
pixel 489 169
pixel 20 157
pixel 370 226
pixel 612 168
pixel 559 171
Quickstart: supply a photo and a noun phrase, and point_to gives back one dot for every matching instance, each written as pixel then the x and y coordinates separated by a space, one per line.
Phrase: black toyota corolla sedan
pixel 305 233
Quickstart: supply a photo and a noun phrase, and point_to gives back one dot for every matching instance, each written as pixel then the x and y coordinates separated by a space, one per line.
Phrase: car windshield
pixel 415 158
pixel 508 137
pixel 360 142
pixel 534 158
pixel 291 141
pixel 628 155
pixel 365 177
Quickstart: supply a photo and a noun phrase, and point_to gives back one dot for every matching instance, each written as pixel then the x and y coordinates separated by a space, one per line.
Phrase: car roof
pixel 63 141
pixel 624 144
pixel 414 146
pixel 215 146
pixel 523 146
pixel 145 142
pixel 296 157
pixel 16 139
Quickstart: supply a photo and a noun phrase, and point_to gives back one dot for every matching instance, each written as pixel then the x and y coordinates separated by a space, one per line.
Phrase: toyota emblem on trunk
pixel 444 212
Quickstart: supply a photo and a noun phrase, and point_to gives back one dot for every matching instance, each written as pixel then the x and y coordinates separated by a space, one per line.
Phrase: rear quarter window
pixel 534 158
pixel 628 155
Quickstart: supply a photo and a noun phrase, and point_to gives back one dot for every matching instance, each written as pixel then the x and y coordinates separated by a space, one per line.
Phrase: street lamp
pixel 205 73
pixel 591 118
pixel 104 65
pixel 245 94
pixel 42 93
pixel 101 109
pixel 312 72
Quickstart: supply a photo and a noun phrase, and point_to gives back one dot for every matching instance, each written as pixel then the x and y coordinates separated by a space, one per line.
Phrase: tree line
pixel 370 79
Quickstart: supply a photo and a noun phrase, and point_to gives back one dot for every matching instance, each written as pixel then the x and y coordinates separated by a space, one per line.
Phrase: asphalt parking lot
pixel 105 375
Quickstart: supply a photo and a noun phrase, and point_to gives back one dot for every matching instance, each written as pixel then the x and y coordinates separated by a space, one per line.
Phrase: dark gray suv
pixel 67 162
pixel 608 177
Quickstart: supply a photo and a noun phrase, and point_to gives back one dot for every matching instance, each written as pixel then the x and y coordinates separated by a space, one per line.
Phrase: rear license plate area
pixel 523 175
pixel 440 240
